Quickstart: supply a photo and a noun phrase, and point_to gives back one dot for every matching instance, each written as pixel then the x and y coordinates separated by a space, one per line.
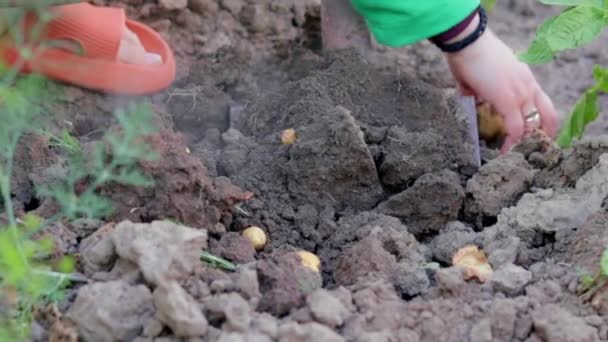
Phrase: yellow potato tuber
pixel 310 260
pixel 288 136
pixel 256 236
pixel 474 263
pixel 491 124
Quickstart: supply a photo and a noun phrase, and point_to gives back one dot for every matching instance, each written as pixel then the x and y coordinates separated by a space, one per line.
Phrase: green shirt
pixel 401 22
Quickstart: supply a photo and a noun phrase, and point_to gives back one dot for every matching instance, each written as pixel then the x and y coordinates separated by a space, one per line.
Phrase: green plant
pixel 488 5
pixel 29 275
pixel 591 284
pixel 26 278
pixel 113 159
pixel 579 23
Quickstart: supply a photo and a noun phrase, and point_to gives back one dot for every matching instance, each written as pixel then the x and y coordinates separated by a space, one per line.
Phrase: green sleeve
pixel 401 22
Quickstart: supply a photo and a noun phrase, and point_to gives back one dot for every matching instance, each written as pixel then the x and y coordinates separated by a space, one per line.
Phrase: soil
pixel 381 183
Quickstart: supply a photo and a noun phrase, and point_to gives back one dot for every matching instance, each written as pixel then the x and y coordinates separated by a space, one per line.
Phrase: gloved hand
pixel 489 70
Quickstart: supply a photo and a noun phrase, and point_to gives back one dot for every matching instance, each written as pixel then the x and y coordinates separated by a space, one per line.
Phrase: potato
pixel 310 260
pixel 491 124
pixel 474 262
pixel 288 136
pixel 256 236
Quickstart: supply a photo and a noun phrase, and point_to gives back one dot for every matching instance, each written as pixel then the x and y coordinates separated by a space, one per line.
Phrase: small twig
pixel 242 211
pixel 194 91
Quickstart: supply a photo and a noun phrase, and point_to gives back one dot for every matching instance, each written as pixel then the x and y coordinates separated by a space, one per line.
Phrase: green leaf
pixel 488 4
pixel 539 52
pixel 67 264
pixel 601 78
pixel 596 3
pixel 585 111
pixel 604 263
pixel 573 28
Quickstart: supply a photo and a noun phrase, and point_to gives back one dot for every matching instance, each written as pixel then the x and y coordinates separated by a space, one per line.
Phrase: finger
pixel 514 123
pixel 528 108
pixel 465 90
pixel 548 114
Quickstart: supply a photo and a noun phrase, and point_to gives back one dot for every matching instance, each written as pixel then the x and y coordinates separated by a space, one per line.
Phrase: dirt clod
pixel 307 332
pixel 497 185
pixel 111 311
pixel 510 279
pixel 234 247
pixel 327 309
pixel 366 259
pixel 231 309
pixel 284 283
pixel 554 324
pixel 162 250
pixel 178 310
pixel 431 202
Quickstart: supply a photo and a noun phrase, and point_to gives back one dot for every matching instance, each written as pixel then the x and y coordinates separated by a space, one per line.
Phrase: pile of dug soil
pixel 381 183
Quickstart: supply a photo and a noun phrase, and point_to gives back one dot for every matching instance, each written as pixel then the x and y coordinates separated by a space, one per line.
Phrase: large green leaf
pixel 575 27
pixel 585 111
pixel 601 78
pixel 572 28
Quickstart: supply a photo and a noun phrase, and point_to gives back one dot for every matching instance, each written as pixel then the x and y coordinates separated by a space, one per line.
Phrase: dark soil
pixel 382 183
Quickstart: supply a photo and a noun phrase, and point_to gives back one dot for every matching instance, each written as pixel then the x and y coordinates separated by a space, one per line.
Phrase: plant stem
pixel 5 188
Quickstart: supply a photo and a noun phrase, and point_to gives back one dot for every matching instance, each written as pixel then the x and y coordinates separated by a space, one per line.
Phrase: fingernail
pixel 152 58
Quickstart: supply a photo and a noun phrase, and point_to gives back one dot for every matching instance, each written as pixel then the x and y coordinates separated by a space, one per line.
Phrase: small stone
pixel 510 279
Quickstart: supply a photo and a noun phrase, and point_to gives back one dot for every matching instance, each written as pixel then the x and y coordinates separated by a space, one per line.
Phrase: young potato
pixel 310 260
pixel 288 136
pixel 491 124
pixel 256 236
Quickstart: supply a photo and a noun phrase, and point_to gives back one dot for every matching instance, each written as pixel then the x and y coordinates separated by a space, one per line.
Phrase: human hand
pixel 489 70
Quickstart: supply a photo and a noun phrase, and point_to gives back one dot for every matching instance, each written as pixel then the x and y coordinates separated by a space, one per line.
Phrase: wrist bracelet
pixel 468 40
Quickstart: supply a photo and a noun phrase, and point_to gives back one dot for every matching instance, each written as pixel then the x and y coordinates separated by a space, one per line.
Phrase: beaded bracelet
pixel 470 39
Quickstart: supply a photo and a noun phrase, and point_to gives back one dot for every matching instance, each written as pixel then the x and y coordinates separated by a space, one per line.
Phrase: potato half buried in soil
pixel 310 260
pixel 491 124
pixel 288 136
pixel 256 236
